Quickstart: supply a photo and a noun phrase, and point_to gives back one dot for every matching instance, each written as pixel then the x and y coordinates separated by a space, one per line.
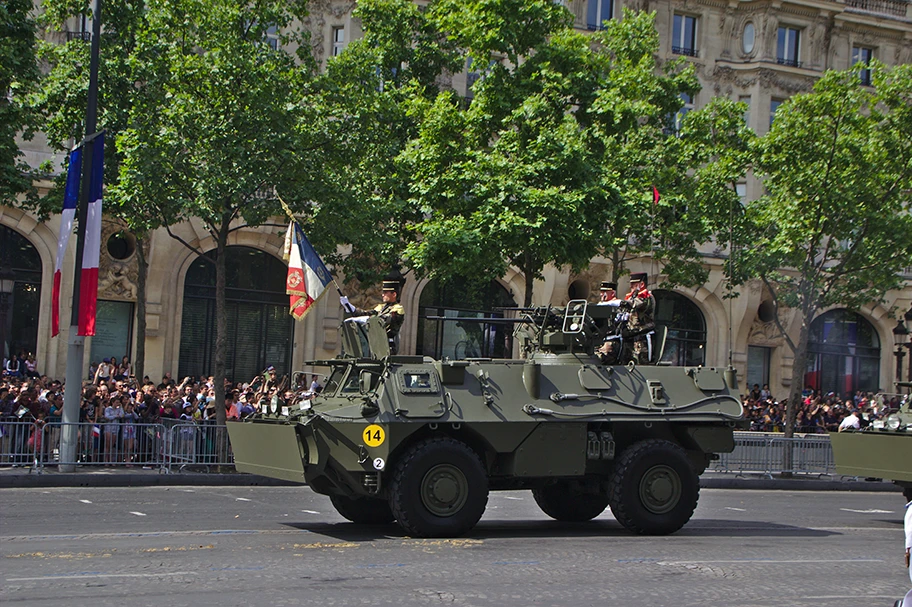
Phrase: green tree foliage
pixel 835 226
pixel 221 122
pixel 18 74
pixel 61 101
pixel 554 159
pixel 373 91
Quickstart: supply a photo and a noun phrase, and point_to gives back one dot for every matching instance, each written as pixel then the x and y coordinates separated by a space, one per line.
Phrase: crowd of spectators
pixel 818 413
pixel 120 418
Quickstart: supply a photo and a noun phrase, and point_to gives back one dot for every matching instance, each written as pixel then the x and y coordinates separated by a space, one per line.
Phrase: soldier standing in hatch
pixel 641 322
pixel 390 312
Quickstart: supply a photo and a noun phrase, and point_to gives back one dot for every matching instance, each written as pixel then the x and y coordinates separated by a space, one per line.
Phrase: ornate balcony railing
pixel 897 8
pixel 683 50
pixel 788 62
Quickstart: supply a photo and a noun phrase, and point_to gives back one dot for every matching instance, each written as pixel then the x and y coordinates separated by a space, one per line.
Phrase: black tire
pixel 654 489
pixel 439 488
pixel 363 510
pixel 567 501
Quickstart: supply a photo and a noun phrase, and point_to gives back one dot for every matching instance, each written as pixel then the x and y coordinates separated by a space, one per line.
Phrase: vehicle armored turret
pixel 423 441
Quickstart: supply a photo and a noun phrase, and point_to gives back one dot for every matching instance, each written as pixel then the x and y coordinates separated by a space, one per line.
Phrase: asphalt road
pixel 198 546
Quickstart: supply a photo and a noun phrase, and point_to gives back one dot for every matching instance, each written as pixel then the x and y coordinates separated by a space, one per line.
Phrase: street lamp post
pixel 899 337
pixel 908 324
pixel 7 285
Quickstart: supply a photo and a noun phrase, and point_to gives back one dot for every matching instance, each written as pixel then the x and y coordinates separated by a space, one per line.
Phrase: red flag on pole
pixel 655 196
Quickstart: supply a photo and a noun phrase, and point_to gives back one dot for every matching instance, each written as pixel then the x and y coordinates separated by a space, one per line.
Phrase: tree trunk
pixel 139 361
pixel 221 322
pixel 615 266
pixel 530 278
pixel 799 367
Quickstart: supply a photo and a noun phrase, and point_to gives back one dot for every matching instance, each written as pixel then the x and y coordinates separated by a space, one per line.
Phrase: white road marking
pixel 310 511
pixel 735 509
pixel 871 511
pixel 138 513
pixel 91 575
pixel 188 490
pixel 85 501
pixel 242 499
pixel 509 497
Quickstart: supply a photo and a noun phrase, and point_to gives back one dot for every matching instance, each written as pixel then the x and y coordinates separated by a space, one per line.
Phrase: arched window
pixel 843 354
pixel 686 341
pixel 259 326
pixel 455 339
pixel 20 264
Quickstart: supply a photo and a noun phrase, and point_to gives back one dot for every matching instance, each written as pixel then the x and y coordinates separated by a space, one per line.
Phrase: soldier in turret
pixel 641 323
pixel 390 312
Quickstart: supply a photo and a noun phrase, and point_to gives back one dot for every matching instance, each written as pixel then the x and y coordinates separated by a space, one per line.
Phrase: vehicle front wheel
pixel 363 510
pixel 654 489
pixel 569 502
pixel 439 488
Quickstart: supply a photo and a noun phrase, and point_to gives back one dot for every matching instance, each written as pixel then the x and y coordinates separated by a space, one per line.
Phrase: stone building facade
pixel 759 52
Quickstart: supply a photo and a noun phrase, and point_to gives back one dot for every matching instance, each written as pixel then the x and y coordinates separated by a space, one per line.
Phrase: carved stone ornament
pixel 116 278
pixel 764 334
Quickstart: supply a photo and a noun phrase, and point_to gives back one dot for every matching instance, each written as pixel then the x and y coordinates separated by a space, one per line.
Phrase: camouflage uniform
pixel 640 324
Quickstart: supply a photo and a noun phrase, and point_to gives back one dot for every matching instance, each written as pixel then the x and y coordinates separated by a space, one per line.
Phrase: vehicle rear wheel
pixel 363 510
pixel 654 489
pixel 569 502
pixel 439 489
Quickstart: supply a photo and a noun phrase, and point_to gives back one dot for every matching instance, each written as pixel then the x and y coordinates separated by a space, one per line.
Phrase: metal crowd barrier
pixel 161 446
pixel 172 444
pixel 771 454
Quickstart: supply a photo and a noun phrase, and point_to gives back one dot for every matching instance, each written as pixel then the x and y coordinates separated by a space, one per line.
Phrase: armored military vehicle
pixel 422 441
pixel 880 450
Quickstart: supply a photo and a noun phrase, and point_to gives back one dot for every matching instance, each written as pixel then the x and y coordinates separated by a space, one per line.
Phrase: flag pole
pixel 72 395
pixel 291 216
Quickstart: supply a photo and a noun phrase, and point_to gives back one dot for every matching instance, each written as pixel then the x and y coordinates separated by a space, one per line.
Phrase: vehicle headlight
pixel 893 422
pixel 273 407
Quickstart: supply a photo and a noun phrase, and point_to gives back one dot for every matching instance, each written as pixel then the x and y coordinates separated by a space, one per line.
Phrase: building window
pixel 259 326
pixel 19 309
pixel 460 340
pixel 747 38
pixel 686 341
pixel 741 191
pixel 599 12
pixel 685 109
pixel 338 40
pixel 272 37
pixel 863 56
pixel 746 100
pixel 758 366
pixel 843 354
pixel 774 105
pixel 472 77
pixel 787 50
pixel 684 36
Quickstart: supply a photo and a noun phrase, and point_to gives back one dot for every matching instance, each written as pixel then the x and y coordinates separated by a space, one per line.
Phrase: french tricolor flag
pixel 88 289
pixel 88 292
pixel 307 275
pixel 70 202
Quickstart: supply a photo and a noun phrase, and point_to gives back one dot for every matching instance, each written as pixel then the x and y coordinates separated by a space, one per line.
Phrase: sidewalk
pixel 139 477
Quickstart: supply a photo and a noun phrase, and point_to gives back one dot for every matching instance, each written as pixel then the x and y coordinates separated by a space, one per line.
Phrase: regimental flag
pixel 88 289
pixel 307 275
pixel 70 201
